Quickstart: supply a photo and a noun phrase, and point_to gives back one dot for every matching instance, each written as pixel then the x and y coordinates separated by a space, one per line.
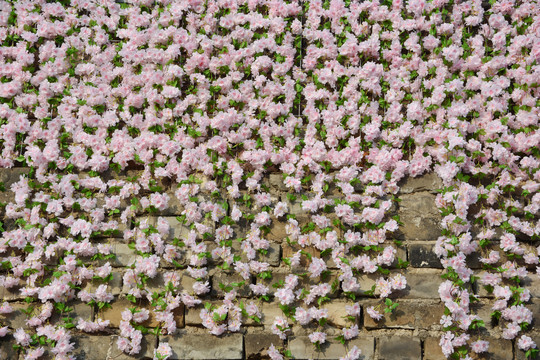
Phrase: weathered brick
pixel 174 207
pixel 337 314
pixel 177 230
pixel 408 315
pixel 114 313
pixel 6 348
pixel 399 348
pixel 205 346
pixel 277 232
pixel 533 284
pixel 276 181
pixel 269 313
pixel 227 279
pixel 11 294
pixel 366 282
pixel 257 344
pixel 91 347
pixel 114 286
pixel 79 310
pixel 422 284
pixel 272 256
pixel 124 255
pixel 178 315
pixel 17 318
pixel 422 256
pixel 148 344
pixel 8 177
pixel 420 217
pixel 432 349
pixel 302 348
pixel 499 349
pixel 428 182
pixel 288 251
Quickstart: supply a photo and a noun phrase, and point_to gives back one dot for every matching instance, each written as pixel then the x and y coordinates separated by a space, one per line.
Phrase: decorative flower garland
pixel 342 98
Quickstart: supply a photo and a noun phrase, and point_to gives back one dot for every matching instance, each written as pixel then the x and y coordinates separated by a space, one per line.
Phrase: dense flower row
pixel 343 98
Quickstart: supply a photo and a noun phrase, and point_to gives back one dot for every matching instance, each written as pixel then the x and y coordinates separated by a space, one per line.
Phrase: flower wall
pixel 245 167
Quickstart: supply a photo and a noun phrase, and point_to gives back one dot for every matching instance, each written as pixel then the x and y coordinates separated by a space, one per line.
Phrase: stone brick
pixel 91 347
pixel 6 348
pixel 366 282
pixel 295 207
pixel 272 256
pixel 11 293
pixel 428 182
pixel 148 344
pixel 79 310
pixel 302 348
pixel 227 279
pixel 533 284
pixel 205 346
pixel 422 256
pixel 178 315
pixel 257 344
pixel 422 284
pixel 269 313
pixel 499 349
pixel 432 349
pixel 17 318
pixel 124 255
pixel 8 177
pixel 337 314
pixel 277 232
pixel 420 217
pixel 289 251
pixel 114 286
pixel 177 230
pixel 175 207
pixel 276 181
pixel 407 315
pixel 114 313
pixel 399 348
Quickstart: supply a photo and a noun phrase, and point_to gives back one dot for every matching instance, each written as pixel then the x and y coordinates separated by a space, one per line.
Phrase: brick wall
pixel 412 331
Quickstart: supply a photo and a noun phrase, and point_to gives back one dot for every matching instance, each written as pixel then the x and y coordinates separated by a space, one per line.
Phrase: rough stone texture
pixel 257 344
pixel 227 279
pixel 8 177
pixel 277 232
pixel 17 318
pixel 420 217
pixel 499 349
pixel 427 182
pixel 91 347
pixel 408 315
pixel 205 346
pixel 399 348
pixel 114 313
pixel 337 315
pixel 422 256
pixel 422 284
pixel 432 349
pixel 302 348
pixel 124 255
pixel 6 348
